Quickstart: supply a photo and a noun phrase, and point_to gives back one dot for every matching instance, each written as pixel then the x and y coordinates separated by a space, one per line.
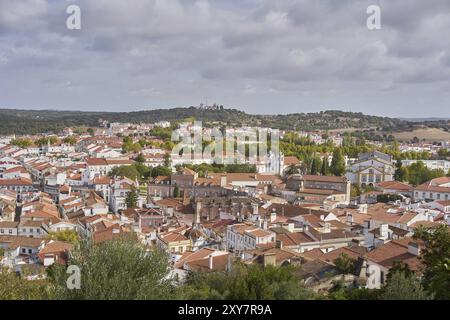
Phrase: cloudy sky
pixel 261 56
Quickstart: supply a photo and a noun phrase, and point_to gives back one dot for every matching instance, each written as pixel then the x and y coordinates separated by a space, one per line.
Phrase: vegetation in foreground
pixel 124 269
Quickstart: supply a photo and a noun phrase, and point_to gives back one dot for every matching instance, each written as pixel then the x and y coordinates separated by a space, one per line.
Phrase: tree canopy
pixel 117 269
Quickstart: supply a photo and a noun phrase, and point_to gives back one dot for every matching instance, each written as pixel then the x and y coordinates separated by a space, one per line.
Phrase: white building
pixel 371 168
pixel 242 237
pixel 430 164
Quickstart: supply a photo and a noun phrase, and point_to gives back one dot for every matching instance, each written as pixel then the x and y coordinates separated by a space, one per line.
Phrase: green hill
pixel 37 121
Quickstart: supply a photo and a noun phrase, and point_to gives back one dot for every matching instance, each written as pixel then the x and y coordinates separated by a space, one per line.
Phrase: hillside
pixel 37 121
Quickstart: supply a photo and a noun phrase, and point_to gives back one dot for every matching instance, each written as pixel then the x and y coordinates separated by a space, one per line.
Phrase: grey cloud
pixel 165 52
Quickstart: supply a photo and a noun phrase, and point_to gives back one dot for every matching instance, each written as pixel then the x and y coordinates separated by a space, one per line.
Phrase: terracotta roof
pixel 20 241
pixel 435 185
pixel 159 179
pixel 192 256
pixel 56 246
pixel 188 171
pixel 110 233
pixel 96 162
pixel 102 180
pixel 219 263
pixel 352 252
pixel 291 160
pixel 444 203
pixel 395 185
pixel 259 233
pixel 173 237
pixel 396 250
pixel 9 224
pixel 119 161
pixel 30 223
pixel 324 178
pixel 16 169
pixel 322 192
pixel 294 238
pixel 333 234
pixel 16 182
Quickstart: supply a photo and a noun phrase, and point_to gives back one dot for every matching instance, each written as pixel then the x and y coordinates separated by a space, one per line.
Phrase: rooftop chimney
pixel 384 230
pixel 255 208
pixel 210 258
pixel 413 248
pixel 279 244
pixel 350 218
pixel 269 259
pixel 273 216
pixel 223 180
pixel 198 208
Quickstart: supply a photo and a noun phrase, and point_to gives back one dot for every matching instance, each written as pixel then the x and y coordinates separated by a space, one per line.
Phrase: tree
pixel 402 267
pixel 418 173
pixel 252 282
pixel 324 170
pixel 176 191
pixel 22 143
pixel 70 140
pixel 129 146
pixel 355 191
pixel 130 172
pixel 65 235
pixel 140 158
pixel 403 287
pixel 435 258
pixel 15 287
pixel 91 131
pixel 400 172
pixel 167 160
pixel 46 140
pixel 144 171
pixel 345 264
pixel 385 198
pixel 314 166
pixel 161 171
pixel 132 198
pixel 338 163
pixel 121 269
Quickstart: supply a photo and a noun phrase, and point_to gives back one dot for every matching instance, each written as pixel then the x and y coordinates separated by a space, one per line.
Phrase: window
pixel 2 231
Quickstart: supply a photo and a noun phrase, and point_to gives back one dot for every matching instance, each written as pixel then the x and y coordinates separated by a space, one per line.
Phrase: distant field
pixel 335 131
pixel 429 134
